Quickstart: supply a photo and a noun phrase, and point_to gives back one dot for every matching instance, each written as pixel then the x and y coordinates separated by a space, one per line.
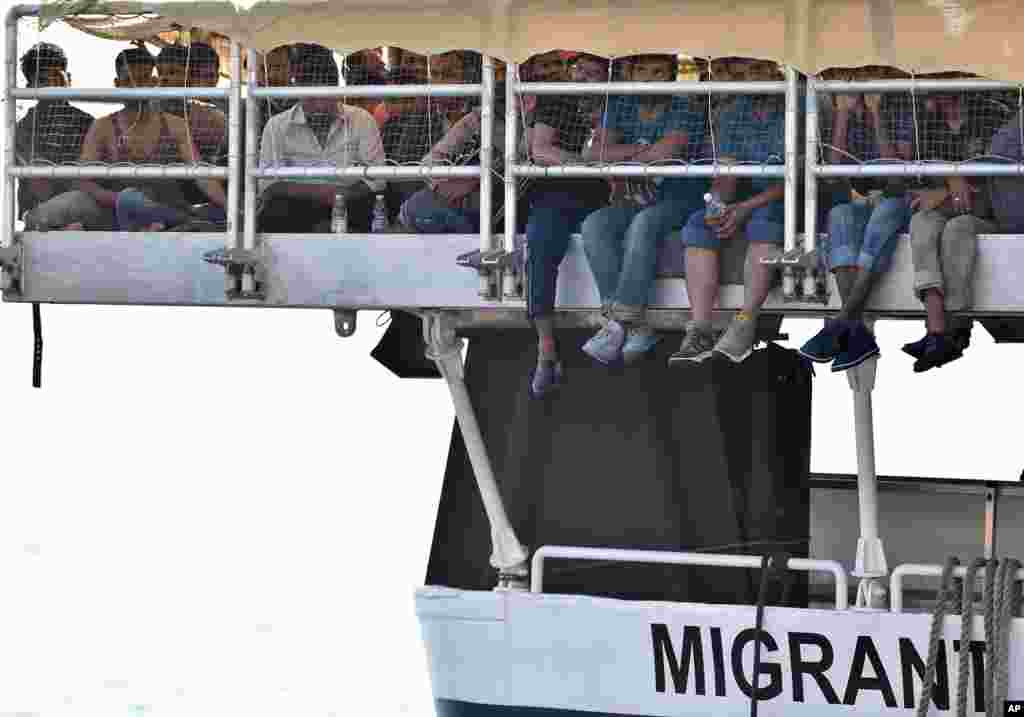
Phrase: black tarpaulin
pixel 645 458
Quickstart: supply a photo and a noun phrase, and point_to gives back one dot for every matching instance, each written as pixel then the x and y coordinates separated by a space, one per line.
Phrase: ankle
pixel 547 348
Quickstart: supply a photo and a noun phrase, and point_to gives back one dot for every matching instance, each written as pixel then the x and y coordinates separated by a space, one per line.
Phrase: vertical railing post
pixel 511 158
pixel 791 176
pixel 811 186
pixel 8 215
pixel 486 159
pixel 235 174
pixel 252 123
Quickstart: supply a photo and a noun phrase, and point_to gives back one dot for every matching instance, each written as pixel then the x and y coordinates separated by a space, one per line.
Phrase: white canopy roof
pixel 979 36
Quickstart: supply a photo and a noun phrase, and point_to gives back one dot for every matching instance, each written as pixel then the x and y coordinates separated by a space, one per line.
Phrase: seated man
pixel 944 232
pixel 747 130
pixel 562 126
pixel 273 70
pixel 317 132
pixel 135 134
pixel 203 66
pixel 452 206
pixel 622 240
pixel 862 234
pixel 52 132
pixel 366 67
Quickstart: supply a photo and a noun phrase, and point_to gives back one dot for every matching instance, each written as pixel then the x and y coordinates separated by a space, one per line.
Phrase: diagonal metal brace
pixel 11 259
pixel 494 259
pixel 238 262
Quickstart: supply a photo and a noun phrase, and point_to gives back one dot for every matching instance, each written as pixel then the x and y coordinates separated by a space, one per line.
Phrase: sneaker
pixel 825 345
pixel 860 345
pixel 639 341
pixel 737 343
pixel 916 348
pixel 547 377
pixel 605 346
pixel 939 350
pixel 696 347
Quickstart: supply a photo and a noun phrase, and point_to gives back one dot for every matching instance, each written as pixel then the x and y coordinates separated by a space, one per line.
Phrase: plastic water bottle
pixel 339 214
pixel 714 210
pixel 379 225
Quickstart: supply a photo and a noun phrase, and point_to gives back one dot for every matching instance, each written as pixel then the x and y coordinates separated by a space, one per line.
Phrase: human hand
pixel 846 103
pixel 924 200
pixel 873 103
pixel 734 218
pixel 455 190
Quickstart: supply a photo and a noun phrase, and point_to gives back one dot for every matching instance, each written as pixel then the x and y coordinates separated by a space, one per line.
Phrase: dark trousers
pixel 283 215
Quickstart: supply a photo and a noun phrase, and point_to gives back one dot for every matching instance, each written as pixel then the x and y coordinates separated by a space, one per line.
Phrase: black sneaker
pixel 939 349
pixel 916 348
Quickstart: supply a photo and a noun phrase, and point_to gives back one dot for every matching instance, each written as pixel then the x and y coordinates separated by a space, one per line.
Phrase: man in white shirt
pixel 318 132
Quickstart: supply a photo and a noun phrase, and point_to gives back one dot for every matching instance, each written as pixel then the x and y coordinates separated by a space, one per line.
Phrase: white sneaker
pixel 737 343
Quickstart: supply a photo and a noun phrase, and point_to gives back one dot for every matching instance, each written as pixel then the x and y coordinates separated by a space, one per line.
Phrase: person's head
pixel 203 66
pixel 172 66
pixel 315 66
pixel 134 68
pixel 273 68
pixel 365 67
pixel 45 65
pixel 585 67
pixel 546 67
pixel 410 68
pixel 652 68
pixel 743 69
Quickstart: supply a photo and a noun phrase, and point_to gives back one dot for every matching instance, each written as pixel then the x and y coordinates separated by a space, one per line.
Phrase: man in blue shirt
pixel 622 240
pixel 749 130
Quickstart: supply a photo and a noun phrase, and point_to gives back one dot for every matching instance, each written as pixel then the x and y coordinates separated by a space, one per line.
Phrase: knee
pixel 960 230
pixel 924 225
pixel 594 227
pixel 841 215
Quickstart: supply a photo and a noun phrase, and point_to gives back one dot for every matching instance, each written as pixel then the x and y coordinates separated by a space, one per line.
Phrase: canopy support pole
pixel 507 554
pixel 870 565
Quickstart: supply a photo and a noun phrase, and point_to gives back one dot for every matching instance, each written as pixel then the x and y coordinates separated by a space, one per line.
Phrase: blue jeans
pixel 764 225
pixel 864 237
pixel 134 209
pixel 622 247
pixel 427 213
pixel 553 219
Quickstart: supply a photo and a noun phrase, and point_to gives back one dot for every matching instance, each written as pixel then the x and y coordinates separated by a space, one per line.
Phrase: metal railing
pixel 926 571
pixel 719 560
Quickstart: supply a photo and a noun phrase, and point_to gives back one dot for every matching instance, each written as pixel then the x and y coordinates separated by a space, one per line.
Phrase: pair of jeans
pixel 426 212
pixel 622 246
pixel 864 236
pixel 765 225
pixel 135 210
pixel 553 218
pixel 944 252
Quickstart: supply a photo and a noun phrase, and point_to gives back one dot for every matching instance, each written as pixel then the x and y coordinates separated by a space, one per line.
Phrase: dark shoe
pixel 825 345
pixel 962 337
pixel 860 346
pixel 546 378
pixel 939 350
pixel 916 348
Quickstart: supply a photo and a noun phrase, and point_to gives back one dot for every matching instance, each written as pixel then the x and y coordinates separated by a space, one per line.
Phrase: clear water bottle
pixel 339 214
pixel 379 225
pixel 714 209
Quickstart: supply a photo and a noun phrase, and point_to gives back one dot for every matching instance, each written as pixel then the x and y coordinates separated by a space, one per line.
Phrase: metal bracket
pixel 238 262
pixel 489 263
pixel 11 260
pixel 345 322
pixel 801 263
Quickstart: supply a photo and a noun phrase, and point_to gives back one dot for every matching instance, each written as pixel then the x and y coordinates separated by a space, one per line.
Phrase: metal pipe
pixel 634 170
pixel 8 214
pixel 234 155
pixel 665 557
pixel 990 530
pixel 791 173
pixel 924 571
pixel 926 169
pixel 380 172
pixel 651 88
pixel 885 86
pixel 119 94
pixel 253 114
pixel 511 187
pixel 486 160
pixel 811 182
pixel 460 90
pixel 119 172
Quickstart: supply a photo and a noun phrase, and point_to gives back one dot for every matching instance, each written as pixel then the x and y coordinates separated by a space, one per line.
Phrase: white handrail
pixel 616 555
pixel 691 87
pixel 298 93
pixel 924 571
pixel 640 170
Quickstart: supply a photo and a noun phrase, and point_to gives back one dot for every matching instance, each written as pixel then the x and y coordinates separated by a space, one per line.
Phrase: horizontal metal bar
pixel 101 94
pixel 665 557
pixel 114 7
pixel 925 571
pixel 886 86
pixel 651 88
pixel 923 169
pixel 141 172
pixel 675 170
pixel 414 172
pixel 369 91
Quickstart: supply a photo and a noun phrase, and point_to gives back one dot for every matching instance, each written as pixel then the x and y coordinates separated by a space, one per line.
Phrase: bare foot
pixel 74 227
